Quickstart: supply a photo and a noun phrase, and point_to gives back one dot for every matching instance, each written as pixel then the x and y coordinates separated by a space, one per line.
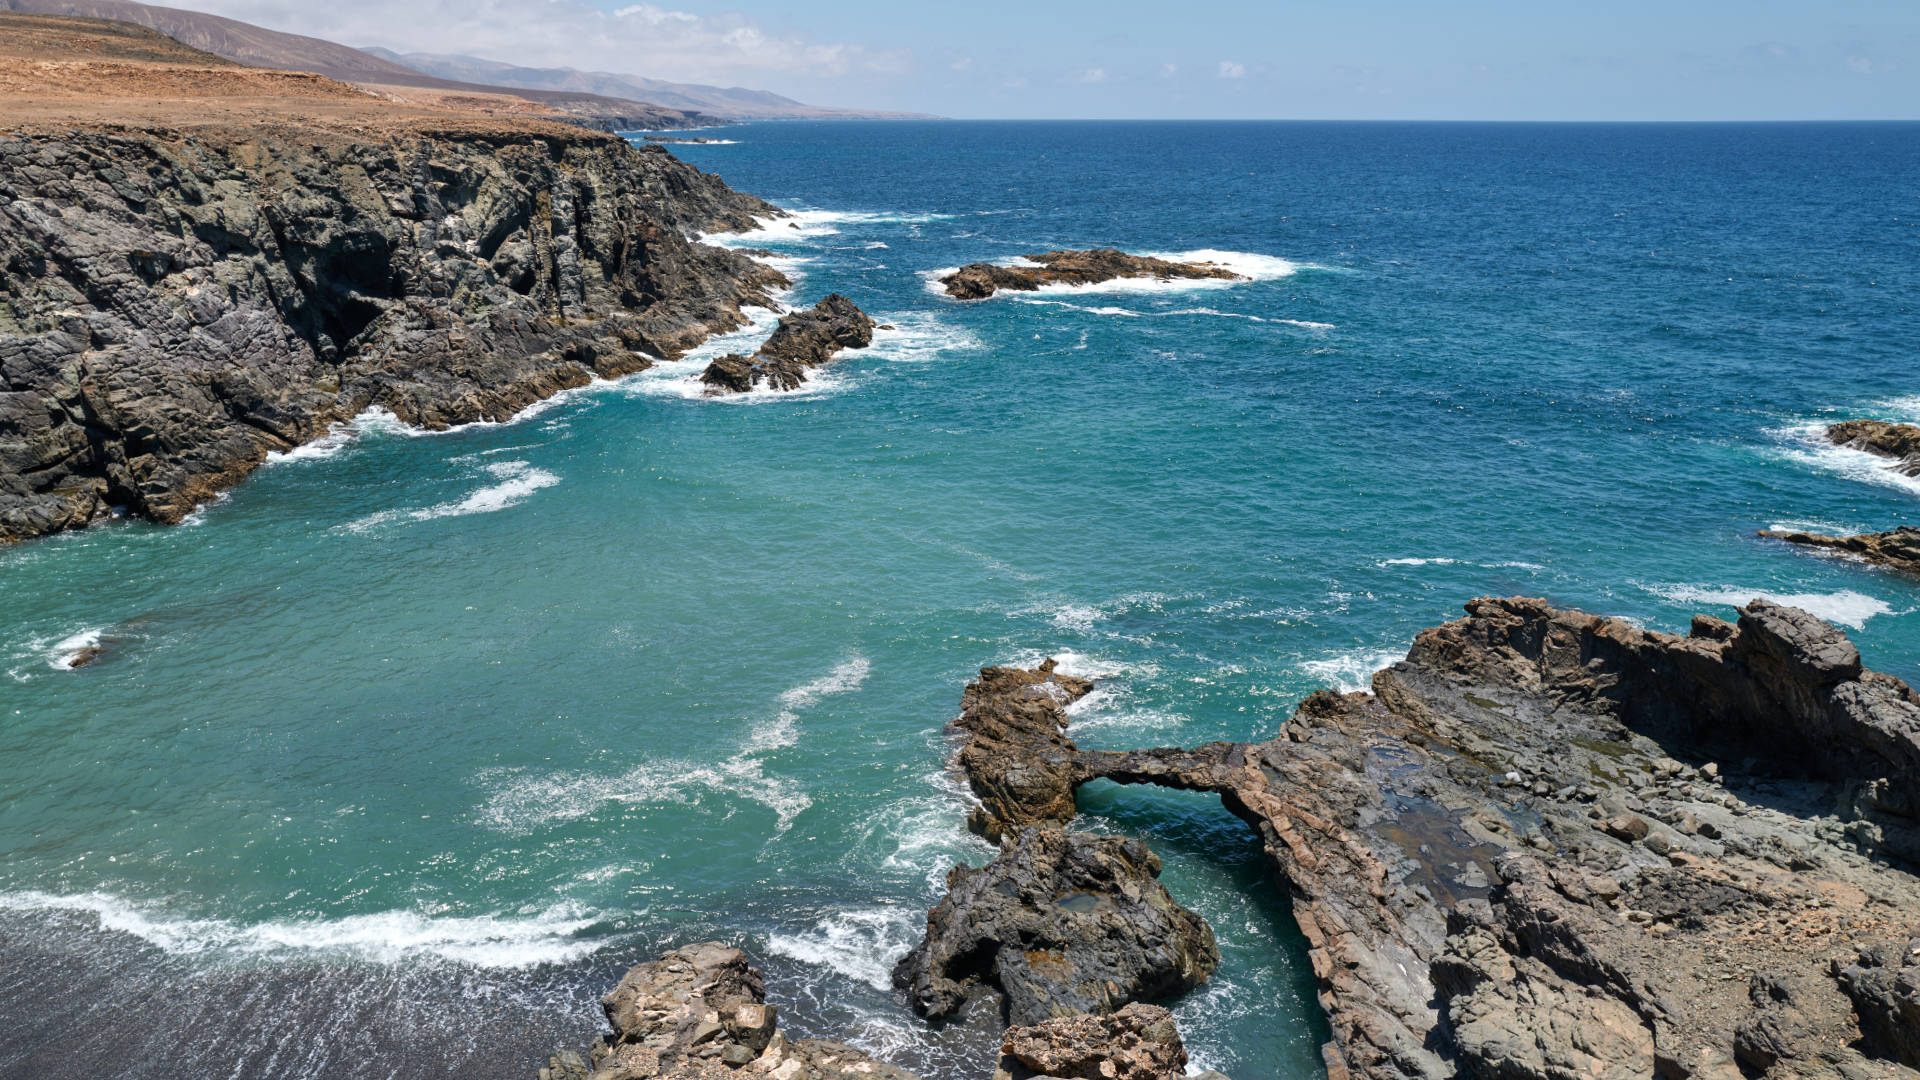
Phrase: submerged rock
pixel 1898 441
pixel 1062 924
pixel 804 339
pixel 1530 854
pixel 701 1012
pixel 1139 1042
pixel 1897 549
pixel 977 281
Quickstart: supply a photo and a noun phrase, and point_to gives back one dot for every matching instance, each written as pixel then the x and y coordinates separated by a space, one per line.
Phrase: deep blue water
pixel 436 734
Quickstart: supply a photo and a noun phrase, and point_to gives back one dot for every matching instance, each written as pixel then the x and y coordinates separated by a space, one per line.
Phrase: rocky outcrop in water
pixel 802 340
pixel 1551 845
pixel 977 281
pixel 1062 924
pixel 701 1012
pixel 1898 441
pixel 1897 549
pixel 1139 1042
pixel 174 306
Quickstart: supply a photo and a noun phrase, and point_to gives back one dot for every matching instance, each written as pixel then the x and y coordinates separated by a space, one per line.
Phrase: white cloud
pixel 1168 71
pixel 1231 70
pixel 1860 65
pixel 1092 75
pixel 965 63
pixel 641 39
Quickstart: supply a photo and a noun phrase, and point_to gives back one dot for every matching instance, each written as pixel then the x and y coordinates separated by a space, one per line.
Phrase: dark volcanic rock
pixel 977 281
pixel 1898 549
pixel 1062 924
pixel 700 1013
pixel 1526 854
pixel 1898 441
pixel 1139 1042
pixel 173 307
pixel 1017 758
pixel 804 339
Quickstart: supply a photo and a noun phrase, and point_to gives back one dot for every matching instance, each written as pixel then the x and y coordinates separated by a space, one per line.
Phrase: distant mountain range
pixel 730 103
pixel 598 99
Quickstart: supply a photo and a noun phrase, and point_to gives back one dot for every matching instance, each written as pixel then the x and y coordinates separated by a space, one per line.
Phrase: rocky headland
pixel 802 340
pixel 1901 442
pixel 1552 845
pixel 977 281
pixel 1895 549
pixel 183 291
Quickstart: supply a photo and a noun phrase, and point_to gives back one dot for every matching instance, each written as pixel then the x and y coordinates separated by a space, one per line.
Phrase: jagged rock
pixel 1468 910
pixel 1139 1042
pixel 1884 983
pixel 1897 549
pixel 565 1065
pixel 1061 924
pixel 699 1013
pixel 804 339
pixel 174 306
pixel 977 281
pixel 1898 441
pixel 1017 758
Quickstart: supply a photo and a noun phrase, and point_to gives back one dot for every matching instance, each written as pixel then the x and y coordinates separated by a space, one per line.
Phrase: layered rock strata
pixel 802 340
pixel 1060 923
pixel 1551 845
pixel 1896 549
pixel 977 281
pixel 176 305
pixel 1900 442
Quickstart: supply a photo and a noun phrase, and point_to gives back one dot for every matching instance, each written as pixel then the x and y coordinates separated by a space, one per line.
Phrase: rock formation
pixel 804 339
pixel 1898 441
pixel 1062 924
pixel 977 281
pixel 700 1013
pixel 1139 1042
pixel 1551 845
pixel 1897 549
pixel 201 263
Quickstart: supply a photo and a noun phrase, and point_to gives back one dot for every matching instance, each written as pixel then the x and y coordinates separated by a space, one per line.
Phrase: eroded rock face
pixel 1897 549
pixel 1898 441
pixel 701 1012
pixel 1017 758
pixel 802 340
pixel 1552 845
pixel 977 281
pixel 173 307
pixel 1139 1042
pixel 1062 924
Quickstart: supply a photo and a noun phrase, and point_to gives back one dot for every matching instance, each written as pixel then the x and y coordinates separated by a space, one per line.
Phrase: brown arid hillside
pixel 257 46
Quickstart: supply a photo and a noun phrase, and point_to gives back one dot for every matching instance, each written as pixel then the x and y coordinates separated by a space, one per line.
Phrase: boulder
pixel 1139 1042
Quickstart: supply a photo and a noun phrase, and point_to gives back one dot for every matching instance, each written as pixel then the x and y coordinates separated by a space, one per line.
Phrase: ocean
pixel 403 750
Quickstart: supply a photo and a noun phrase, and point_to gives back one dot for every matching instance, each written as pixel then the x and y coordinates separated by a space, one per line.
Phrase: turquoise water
pixel 415 741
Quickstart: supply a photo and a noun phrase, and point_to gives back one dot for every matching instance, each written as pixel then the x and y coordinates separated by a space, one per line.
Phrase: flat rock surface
pixel 977 281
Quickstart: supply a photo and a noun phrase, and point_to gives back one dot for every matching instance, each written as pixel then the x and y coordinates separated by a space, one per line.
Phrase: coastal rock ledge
pixel 1895 549
pixel 176 305
pixel 1549 846
pixel 977 281
pixel 803 340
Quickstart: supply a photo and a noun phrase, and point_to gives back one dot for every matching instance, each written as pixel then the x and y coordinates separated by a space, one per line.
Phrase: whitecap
pixel 1808 446
pixel 516 480
pixel 1846 607
pixel 861 944
pixel 1416 562
pixel 916 337
pixel 804 225
pixel 61 654
pixel 494 940
pixel 1352 671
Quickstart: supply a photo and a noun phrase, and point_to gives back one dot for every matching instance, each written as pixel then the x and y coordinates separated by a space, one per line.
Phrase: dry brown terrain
pixel 58 73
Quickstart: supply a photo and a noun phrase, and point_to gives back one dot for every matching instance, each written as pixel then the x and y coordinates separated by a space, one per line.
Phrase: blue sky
pixel 1853 59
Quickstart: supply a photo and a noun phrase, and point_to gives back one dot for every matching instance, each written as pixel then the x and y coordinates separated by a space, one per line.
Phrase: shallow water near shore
pixel 396 756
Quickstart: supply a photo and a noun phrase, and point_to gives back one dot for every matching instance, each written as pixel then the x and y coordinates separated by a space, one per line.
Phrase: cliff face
pixel 174 306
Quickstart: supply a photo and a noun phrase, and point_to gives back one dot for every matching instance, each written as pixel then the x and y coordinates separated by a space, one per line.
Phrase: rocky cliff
pixel 1550 845
pixel 176 304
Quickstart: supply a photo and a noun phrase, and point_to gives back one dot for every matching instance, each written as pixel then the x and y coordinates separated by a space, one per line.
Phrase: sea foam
pixel 515 481
pixel 1846 607
pixel 493 940
pixel 1349 672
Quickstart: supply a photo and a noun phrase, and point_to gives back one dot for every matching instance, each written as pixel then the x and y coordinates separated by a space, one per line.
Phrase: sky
pixel 1282 59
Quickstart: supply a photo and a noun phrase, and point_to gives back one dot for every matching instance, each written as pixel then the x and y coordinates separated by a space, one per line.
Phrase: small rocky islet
pixel 977 281
pixel 1896 549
